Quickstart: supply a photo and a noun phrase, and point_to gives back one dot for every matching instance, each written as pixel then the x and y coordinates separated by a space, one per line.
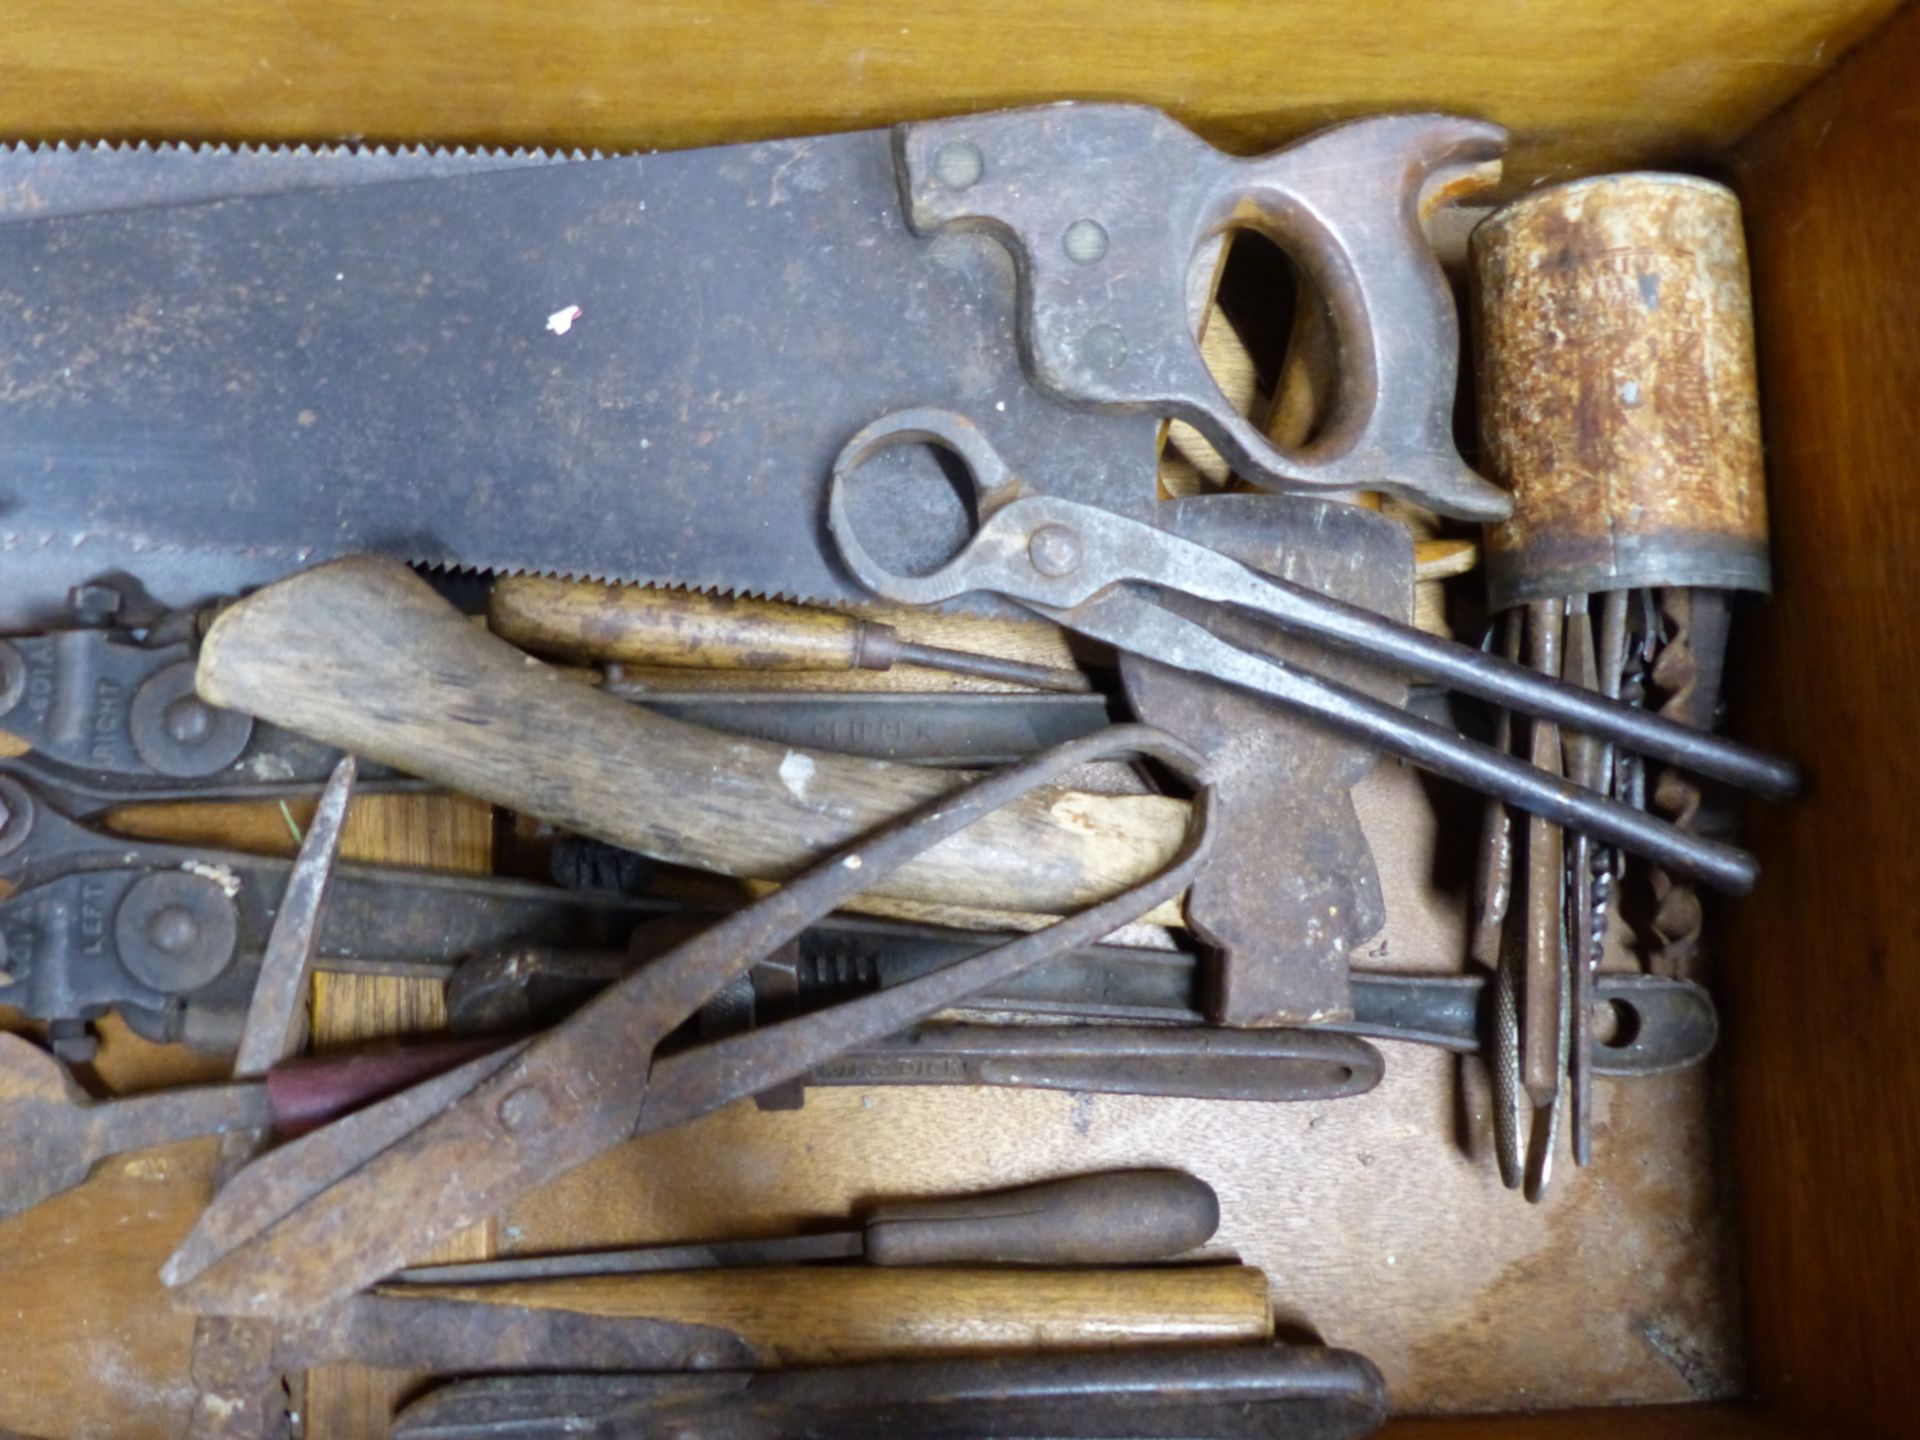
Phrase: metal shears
pixel 1093 571
pixel 334 1211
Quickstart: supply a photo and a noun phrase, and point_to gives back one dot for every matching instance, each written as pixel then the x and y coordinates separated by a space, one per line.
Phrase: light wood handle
pixel 813 1315
pixel 360 653
pixel 638 625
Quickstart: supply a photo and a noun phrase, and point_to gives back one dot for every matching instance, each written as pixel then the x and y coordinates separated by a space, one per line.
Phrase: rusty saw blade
pixel 205 395
pixel 217 367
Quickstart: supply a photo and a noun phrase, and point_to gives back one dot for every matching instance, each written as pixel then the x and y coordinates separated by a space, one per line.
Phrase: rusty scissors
pixel 334 1211
pixel 1093 572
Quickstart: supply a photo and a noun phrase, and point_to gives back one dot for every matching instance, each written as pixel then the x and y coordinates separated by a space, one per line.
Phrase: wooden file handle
pixel 816 1315
pixel 361 653
pixel 1110 1217
pixel 585 623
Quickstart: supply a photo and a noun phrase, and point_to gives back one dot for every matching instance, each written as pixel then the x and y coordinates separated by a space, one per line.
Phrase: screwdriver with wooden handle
pixel 587 623
pixel 1117 1217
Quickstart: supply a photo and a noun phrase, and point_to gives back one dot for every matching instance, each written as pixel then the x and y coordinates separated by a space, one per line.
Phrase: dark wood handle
pixel 1119 1217
pixel 306 1093
pixel 361 653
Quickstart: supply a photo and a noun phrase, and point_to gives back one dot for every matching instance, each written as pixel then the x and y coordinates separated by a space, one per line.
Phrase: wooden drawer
pixel 1806 107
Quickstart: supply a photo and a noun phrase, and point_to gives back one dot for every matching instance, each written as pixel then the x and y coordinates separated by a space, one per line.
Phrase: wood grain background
pixel 1585 86
pixel 1823 979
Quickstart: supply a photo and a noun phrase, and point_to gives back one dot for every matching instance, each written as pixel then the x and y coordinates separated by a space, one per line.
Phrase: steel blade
pixel 630 369
pixel 41 182
pixel 708 1255
pixel 396 1332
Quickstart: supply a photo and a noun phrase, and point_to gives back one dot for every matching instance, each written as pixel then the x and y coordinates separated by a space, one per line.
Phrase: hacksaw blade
pixel 633 368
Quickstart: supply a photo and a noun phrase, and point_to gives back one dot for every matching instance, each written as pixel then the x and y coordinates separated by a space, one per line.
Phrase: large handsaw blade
pixel 636 368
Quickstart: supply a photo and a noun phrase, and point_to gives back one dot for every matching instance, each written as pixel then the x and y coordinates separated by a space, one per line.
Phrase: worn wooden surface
pixel 675 639
pixel 1586 86
pixel 1821 966
pixel 814 1315
pixel 1654 1422
pixel 362 654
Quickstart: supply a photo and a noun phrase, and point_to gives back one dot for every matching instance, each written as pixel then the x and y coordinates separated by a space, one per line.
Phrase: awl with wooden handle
pixel 1118 1217
pixel 588 623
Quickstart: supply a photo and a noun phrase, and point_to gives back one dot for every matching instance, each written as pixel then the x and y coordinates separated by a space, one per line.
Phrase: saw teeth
pixel 588 577
pixel 269 150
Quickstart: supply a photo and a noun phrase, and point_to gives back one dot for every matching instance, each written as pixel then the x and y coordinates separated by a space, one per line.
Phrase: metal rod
pixel 995 667
pixel 1546 881
pixel 1472 672
pixel 706 1255
pixel 1130 621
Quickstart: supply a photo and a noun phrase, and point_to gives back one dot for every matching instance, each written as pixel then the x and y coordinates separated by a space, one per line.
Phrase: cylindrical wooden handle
pixel 1118 1217
pixel 815 1315
pixel 638 625
pixel 308 1092
pixel 1633 453
pixel 360 653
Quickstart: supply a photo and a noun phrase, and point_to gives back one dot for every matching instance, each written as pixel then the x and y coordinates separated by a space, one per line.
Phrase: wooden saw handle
pixel 820 1314
pixel 362 654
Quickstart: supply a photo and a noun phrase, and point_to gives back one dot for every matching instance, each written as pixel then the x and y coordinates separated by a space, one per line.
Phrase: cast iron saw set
pixel 283 428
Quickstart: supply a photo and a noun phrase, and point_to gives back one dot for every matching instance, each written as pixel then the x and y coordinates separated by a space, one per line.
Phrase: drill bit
pixel 1687 671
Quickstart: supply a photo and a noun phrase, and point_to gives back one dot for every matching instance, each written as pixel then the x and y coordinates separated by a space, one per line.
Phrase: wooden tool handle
pixel 637 625
pixel 813 1315
pixel 305 1093
pixel 1117 1217
pixel 361 653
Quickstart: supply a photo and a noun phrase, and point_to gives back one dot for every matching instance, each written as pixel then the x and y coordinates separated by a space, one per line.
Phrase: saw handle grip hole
pixel 1278 362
